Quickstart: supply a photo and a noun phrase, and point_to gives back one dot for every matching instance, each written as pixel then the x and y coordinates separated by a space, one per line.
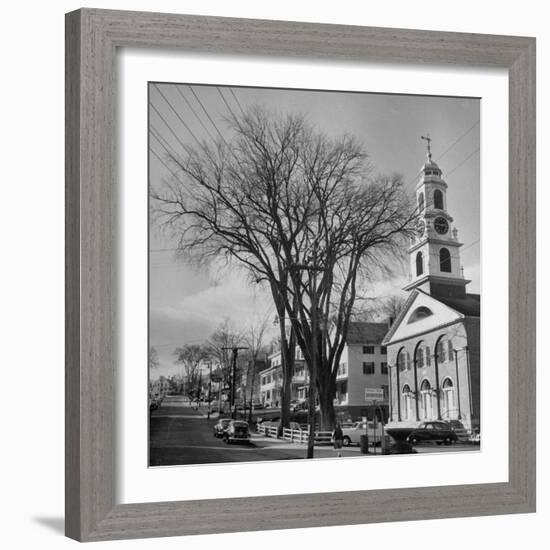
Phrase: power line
pixel 226 104
pixel 461 163
pixel 161 139
pixel 178 115
pixel 237 101
pixel 457 140
pixel 167 125
pixel 162 161
pixel 195 113
pixel 206 113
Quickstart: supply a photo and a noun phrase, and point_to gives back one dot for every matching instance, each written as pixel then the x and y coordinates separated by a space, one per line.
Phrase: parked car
pixel 237 431
pixel 221 426
pixel 438 431
pixel 353 432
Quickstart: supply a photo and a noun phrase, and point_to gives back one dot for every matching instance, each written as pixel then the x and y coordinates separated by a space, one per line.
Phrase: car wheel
pixel 346 442
pixel 447 440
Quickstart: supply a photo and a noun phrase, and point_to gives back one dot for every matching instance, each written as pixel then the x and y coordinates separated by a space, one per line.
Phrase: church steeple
pixel 435 251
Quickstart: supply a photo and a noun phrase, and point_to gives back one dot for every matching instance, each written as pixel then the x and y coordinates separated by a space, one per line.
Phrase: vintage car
pixel 237 432
pixel 437 430
pixel 353 432
pixel 221 426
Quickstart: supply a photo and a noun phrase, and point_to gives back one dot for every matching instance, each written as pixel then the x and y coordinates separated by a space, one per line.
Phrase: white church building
pixel 434 344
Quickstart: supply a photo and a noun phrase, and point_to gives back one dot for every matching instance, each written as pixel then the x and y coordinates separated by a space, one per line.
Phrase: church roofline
pixel 413 295
pixel 441 280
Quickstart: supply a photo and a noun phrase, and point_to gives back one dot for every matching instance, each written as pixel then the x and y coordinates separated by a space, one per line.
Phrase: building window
pixel 419 313
pixel 421 202
pixel 403 360
pixel 449 349
pixel 444 261
pixel 438 199
pixel 383 350
pixel 441 352
pixel 419 357
pixel 342 369
pixel 428 359
pixel 384 368
pixel 386 393
pixel 419 264
pixel 368 368
pixel 368 350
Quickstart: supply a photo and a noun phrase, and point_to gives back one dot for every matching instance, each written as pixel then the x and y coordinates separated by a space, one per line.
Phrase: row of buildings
pixel 425 365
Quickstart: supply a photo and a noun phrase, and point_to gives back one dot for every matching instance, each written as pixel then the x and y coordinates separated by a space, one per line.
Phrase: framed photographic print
pixel 296 253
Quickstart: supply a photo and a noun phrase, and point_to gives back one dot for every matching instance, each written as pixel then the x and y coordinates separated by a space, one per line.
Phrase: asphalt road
pixel 180 435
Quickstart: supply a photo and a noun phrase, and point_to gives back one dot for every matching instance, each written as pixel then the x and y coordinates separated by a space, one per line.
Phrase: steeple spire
pixel 428 139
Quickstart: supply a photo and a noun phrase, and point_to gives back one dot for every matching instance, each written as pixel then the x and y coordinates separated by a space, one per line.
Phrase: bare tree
pixel 190 357
pixel 224 338
pixel 254 338
pixel 153 358
pixel 300 211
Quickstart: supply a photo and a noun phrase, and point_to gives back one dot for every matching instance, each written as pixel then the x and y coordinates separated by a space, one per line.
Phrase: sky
pixel 185 305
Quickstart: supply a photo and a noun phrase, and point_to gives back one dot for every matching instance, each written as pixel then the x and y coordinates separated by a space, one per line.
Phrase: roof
pixel 363 332
pixel 468 305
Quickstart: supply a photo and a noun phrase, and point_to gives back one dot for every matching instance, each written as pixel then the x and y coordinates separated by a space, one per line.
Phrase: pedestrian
pixel 338 439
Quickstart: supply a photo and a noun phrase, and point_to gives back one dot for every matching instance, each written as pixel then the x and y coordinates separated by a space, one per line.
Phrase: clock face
pixel 441 225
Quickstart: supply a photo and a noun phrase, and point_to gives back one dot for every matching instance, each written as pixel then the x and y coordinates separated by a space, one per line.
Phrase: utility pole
pixel 235 350
pixel 209 389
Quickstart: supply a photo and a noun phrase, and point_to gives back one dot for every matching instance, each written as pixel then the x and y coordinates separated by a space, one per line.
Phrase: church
pixel 433 345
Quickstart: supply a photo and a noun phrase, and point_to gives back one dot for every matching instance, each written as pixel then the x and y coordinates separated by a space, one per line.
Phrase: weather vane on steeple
pixel 429 140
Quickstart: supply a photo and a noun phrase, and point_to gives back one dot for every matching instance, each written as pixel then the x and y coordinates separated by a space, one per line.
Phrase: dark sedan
pixel 437 431
pixel 237 431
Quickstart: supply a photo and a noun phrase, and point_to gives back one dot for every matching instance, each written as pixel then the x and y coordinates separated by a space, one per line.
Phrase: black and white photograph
pixel 314 274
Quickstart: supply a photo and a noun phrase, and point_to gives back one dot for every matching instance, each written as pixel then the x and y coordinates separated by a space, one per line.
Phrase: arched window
pixel 419 356
pixel 438 199
pixel 419 313
pixel 427 361
pixel 407 402
pixel 403 360
pixel 450 411
pixel 421 202
pixel 441 351
pixel 427 405
pixel 419 264
pixel 445 260
pixel 450 351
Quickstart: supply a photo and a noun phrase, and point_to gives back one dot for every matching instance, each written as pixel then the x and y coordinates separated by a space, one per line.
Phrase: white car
pixel 353 433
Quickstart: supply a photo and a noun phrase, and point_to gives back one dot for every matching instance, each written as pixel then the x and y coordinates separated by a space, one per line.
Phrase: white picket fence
pixel 294 435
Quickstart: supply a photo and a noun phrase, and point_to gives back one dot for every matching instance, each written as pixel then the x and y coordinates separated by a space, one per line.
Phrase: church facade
pixel 434 344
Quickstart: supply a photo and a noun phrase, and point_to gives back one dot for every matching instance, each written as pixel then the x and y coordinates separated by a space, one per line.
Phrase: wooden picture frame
pixel 92 39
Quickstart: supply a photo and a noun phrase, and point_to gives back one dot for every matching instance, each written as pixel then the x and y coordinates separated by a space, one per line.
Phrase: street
pixel 181 434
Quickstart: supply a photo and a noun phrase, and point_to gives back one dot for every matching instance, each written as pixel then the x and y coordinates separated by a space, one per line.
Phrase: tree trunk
pixel 326 390
pixel 287 363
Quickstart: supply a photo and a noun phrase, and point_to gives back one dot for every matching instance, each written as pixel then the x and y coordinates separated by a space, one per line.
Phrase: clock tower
pixel 435 250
